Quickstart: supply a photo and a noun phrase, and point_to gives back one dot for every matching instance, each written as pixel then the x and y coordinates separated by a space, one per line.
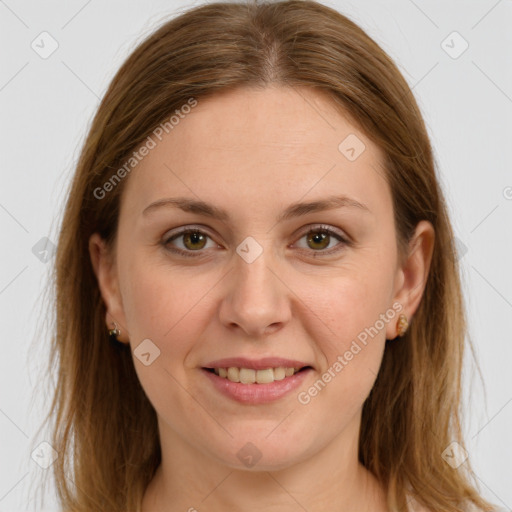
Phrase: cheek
pixel 148 302
pixel 354 310
pixel 350 303
pixel 164 303
pixel 170 307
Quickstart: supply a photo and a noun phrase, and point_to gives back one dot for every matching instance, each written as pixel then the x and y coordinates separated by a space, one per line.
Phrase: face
pixel 263 286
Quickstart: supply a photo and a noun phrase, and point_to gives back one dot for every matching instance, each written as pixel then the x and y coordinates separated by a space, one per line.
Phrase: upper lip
pixel 256 364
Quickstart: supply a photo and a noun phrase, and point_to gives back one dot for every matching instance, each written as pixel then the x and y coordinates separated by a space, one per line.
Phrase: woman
pixel 256 223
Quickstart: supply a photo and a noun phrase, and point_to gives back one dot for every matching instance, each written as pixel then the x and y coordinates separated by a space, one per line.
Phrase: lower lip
pixel 257 393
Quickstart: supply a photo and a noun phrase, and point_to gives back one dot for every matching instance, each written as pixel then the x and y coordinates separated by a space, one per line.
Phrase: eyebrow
pixel 292 211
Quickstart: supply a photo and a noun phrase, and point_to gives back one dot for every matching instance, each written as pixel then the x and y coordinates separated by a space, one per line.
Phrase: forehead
pixel 260 148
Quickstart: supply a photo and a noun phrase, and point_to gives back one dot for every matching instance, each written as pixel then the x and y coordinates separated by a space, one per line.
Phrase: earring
pixel 115 332
pixel 402 325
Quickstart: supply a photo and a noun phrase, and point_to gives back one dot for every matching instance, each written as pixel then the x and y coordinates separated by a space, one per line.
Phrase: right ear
pixel 104 265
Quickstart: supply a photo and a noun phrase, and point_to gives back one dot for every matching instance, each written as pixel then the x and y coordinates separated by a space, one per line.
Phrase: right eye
pixel 193 241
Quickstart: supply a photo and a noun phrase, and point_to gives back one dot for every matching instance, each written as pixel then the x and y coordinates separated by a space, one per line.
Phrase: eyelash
pixel 315 229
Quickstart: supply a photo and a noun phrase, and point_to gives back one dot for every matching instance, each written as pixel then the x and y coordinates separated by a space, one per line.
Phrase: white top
pixel 414 506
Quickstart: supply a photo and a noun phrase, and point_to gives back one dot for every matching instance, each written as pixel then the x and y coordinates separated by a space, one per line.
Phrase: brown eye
pixel 319 239
pixel 194 240
pixel 187 242
pixel 322 240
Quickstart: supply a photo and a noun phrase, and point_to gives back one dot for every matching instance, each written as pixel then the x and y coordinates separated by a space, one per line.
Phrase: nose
pixel 256 300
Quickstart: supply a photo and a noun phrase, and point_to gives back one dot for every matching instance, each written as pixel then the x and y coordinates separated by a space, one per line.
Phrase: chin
pixel 260 454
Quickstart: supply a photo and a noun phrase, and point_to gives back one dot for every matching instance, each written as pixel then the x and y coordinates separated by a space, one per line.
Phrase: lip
pixel 253 394
pixel 256 364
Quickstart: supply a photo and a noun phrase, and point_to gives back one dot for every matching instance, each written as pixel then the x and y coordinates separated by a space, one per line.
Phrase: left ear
pixel 411 277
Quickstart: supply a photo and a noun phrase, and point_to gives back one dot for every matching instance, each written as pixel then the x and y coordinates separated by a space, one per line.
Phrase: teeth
pixel 247 376
pixel 279 373
pixel 251 376
pixel 234 374
pixel 264 376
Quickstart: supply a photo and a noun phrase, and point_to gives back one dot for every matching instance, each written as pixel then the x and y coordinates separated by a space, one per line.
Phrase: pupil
pixel 194 238
pixel 318 238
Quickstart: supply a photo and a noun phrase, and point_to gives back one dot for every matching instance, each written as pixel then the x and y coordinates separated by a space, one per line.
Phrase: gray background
pixel 47 104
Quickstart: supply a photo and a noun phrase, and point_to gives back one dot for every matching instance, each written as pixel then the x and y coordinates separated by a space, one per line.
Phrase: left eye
pixel 319 239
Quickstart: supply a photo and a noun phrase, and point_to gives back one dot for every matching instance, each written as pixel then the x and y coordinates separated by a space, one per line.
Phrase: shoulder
pixel 415 506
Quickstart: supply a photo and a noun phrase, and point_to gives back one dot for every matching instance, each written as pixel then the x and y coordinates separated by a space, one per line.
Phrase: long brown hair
pixel 104 427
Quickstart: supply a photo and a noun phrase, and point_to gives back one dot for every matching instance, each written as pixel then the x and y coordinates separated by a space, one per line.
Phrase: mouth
pixel 254 382
pixel 252 376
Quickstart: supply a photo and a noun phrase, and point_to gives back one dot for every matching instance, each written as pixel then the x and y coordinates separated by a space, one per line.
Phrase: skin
pixel 254 152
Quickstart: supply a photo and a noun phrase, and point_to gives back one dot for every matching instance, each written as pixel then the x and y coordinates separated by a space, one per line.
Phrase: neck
pixel 332 479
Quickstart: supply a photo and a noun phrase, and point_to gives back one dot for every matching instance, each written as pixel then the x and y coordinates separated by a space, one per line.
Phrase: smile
pixel 252 387
pixel 252 376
